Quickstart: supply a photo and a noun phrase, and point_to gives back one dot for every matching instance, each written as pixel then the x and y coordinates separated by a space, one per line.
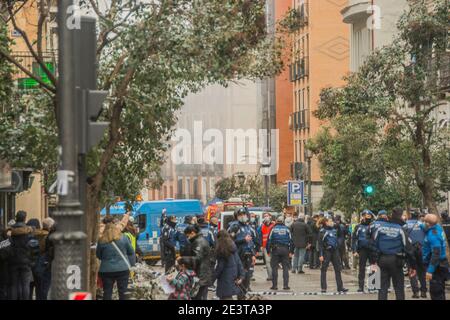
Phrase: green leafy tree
pixel 383 127
pixel 151 54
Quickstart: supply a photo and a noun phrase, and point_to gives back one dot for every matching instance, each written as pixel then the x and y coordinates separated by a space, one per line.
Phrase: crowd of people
pixel 26 255
pixel 388 243
pixel 224 261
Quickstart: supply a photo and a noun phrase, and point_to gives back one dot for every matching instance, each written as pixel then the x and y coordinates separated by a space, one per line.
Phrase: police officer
pixel 181 237
pixel 242 234
pixel 206 231
pixel 162 223
pixel 329 252
pixel 169 243
pixel 382 217
pixel 361 245
pixel 434 257
pixel 391 247
pixel 280 247
pixel 416 235
pixel 342 233
pixel 446 225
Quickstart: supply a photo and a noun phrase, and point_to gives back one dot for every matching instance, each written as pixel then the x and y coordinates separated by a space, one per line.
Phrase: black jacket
pixel 4 256
pixel 201 252
pixel 314 233
pixel 301 234
pixel 25 247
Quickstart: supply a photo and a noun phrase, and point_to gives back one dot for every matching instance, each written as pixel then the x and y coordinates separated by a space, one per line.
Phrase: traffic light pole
pixel 68 271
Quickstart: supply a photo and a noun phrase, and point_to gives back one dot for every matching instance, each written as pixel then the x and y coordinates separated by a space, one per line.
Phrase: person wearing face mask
pixel 201 252
pixel 288 220
pixel 391 247
pixel 435 257
pixel 361 245
pixel 329 252
pixel 181 237
pixel 263 234
pixel 243 237
pixel 168 239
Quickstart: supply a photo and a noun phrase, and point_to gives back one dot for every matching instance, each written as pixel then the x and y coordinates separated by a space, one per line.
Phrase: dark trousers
pixel 169 260
pixel 437 284
pixel 279 255
pixel 314 258
pixel 21 278
pixel 109 278
pixel 364 254
pixel 391 267
pixel 344 256
pixel 332 256
pixel 247 265
pixel 202 293
pixel 421 273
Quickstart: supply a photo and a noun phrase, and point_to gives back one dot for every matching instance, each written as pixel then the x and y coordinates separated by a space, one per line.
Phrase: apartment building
pixel 320 59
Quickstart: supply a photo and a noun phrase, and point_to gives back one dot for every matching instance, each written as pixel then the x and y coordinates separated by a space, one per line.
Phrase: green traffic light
pixel 369 189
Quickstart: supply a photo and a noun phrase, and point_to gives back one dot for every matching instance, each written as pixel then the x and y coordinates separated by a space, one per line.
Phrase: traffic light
pixel 369 190
pixel 89 100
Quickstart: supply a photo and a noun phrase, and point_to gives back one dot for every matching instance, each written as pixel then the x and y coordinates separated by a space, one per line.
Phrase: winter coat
pixel 301 234
pixel 201 252
pixel 315 233
pixel 111 260
pixel 4 254
pixel 227 271
pixel 25 247
pixel 183 285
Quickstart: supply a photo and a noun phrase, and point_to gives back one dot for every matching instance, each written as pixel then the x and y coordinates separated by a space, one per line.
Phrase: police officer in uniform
pixel 281 248
pixel 206 231
pixel 329 252
pixel 169 242
pixel 242 235
pixel 361 245
pixel 435 257
pixel 414 231
pixel 391 247
pixel 181 237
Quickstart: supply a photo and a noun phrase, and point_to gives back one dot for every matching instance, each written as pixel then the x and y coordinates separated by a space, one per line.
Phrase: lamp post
pixel 265 171
pixel 309 155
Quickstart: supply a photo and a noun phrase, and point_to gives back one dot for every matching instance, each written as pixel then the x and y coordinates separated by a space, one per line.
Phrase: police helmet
pixel 240 211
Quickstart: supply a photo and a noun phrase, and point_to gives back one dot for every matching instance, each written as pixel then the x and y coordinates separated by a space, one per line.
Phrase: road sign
pixel 296 193
pixel 80 296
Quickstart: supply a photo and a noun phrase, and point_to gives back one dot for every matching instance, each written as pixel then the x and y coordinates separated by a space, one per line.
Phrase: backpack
pixel 195 285
pixel 5 249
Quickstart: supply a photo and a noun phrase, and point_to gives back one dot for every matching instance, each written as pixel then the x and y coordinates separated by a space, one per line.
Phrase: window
pixel 187 190
pixel 142 223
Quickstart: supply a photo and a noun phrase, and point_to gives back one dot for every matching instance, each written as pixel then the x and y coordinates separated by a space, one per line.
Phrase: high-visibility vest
pixel 132 240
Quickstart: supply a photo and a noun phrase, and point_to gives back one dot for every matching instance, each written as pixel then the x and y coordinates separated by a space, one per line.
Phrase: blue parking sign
pixel 295 193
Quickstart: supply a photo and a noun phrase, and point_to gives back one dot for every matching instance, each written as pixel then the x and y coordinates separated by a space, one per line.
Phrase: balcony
pixel 296 18
pixel 357 10
pixel 299 69
pixel 24 82
pixel 299 120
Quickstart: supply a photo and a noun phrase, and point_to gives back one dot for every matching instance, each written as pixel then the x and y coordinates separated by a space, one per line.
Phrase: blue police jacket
pixel 414 231
pixel 180 236
pixel 169 237
pixel 374 226
pixel 328 239
pixel 207 234
pixel 238 232
pixel 434 246
pixel 279 235
pixel 390 239
pixel 361 237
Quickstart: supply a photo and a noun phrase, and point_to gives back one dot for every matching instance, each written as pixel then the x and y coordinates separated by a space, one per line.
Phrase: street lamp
pixel 265 171
pixel 308 156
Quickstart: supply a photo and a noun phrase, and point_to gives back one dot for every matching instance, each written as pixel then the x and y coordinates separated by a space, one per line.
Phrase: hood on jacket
pixel 21 230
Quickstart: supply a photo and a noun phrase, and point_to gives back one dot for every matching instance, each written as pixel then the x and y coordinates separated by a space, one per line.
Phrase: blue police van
pixel 148 220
